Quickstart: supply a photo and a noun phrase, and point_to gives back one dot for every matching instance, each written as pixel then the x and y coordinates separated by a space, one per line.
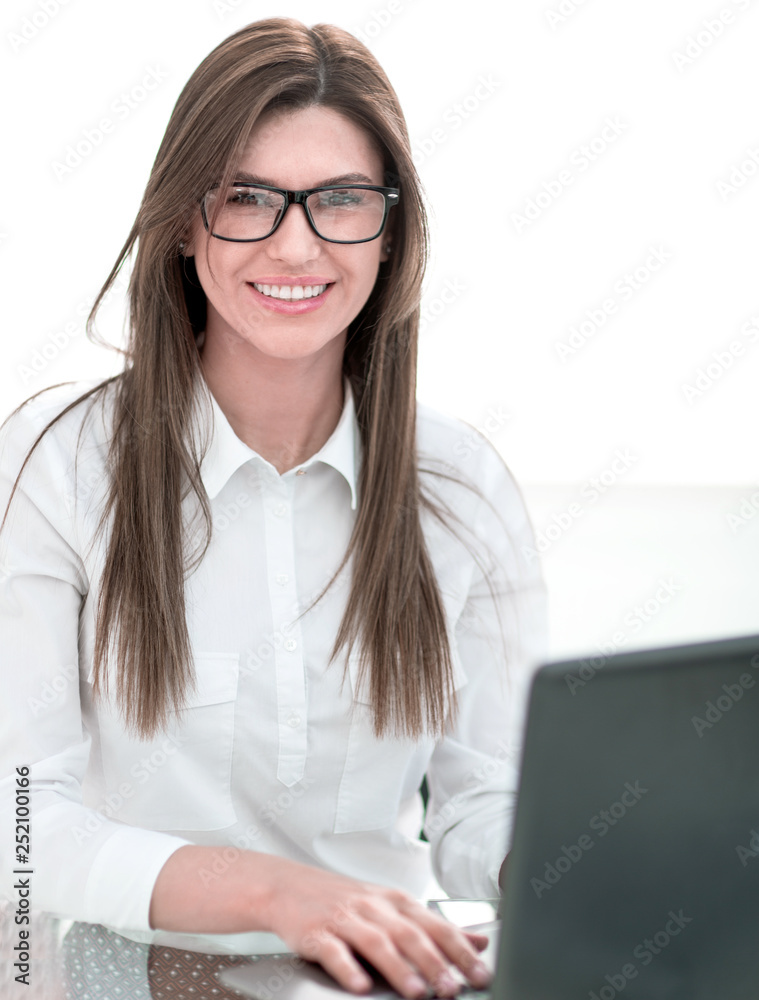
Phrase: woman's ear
pixel 388 233
pixel 387 238
pixel 188 238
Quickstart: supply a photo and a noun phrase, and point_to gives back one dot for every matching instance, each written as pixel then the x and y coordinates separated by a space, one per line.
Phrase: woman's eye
pixel 249 199
pixel 338 199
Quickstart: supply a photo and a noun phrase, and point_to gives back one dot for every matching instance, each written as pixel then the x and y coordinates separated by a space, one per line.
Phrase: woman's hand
pixel 323 916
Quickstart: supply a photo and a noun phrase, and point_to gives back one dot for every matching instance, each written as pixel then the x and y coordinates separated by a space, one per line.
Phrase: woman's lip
pixel 282 280
pixel 291 307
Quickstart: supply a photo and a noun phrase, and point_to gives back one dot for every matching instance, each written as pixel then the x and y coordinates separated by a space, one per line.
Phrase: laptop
pixel 634 865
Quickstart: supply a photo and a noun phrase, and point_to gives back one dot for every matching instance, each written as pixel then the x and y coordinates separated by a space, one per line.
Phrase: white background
pixel 500 99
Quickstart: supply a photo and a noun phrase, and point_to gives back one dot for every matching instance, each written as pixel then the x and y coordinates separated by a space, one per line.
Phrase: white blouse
pixel 273 753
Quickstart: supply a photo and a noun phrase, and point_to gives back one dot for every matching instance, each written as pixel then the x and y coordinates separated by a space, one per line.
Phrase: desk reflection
pixel 99 963
pixel 81 961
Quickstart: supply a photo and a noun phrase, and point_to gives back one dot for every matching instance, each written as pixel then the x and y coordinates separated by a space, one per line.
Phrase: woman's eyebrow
pixel 242 177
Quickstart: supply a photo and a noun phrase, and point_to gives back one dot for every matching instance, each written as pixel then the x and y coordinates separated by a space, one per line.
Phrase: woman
pixel 268 596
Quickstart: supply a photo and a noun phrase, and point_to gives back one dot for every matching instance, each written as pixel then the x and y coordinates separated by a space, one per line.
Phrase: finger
pixel 408 924
pixel 376 943
pixel 480 941
pixel 337 959
pixel 415 943
pixel 458 947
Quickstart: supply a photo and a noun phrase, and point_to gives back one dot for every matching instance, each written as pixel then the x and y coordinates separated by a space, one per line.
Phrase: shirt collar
pixel 227 452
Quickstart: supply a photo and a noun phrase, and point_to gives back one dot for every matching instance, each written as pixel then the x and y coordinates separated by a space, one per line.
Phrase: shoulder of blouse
pixel 81 433
pixel 450 444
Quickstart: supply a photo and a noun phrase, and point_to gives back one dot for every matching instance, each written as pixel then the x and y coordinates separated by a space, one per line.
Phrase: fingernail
pixel 480 974
pixel 359 981
pixel 446 984
pixel 415 986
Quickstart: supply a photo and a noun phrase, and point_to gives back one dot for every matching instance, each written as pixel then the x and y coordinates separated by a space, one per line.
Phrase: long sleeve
pixel 272 753
pixel 85 865
pixel 473 773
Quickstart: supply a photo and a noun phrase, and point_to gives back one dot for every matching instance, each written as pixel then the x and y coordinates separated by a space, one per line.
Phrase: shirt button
pixel 280 510
pixel 282 579
pixel 300 472
pixel 291 644
pixel 294 721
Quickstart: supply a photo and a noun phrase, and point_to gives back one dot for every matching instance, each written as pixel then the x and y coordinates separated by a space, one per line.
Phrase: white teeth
pixel 289 292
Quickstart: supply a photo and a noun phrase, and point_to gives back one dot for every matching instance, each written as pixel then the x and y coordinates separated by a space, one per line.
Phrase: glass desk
pixel 79 961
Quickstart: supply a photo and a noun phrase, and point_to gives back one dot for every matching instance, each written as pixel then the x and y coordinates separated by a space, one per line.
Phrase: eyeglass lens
pixel 349 214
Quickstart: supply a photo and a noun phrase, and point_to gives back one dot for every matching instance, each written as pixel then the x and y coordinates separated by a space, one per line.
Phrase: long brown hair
pixel 394 607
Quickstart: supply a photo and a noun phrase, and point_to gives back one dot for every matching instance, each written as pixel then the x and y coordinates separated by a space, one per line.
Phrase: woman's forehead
pixel 313 140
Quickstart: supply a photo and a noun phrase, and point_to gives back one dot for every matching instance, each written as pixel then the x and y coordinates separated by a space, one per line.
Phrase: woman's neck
pixel 284 409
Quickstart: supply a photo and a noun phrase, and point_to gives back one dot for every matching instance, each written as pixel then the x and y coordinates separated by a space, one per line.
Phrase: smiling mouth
pixel 290 293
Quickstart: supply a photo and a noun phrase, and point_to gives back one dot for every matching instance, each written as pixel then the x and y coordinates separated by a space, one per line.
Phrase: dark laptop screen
pixel 634 868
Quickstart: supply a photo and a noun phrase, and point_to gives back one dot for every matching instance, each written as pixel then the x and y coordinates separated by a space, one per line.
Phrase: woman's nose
pixel 294 238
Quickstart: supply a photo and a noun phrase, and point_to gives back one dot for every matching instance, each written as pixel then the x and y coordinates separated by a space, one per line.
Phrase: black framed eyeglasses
pixel 339 213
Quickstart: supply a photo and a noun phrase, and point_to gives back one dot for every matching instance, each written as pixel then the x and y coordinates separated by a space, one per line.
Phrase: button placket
pixel 290 676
